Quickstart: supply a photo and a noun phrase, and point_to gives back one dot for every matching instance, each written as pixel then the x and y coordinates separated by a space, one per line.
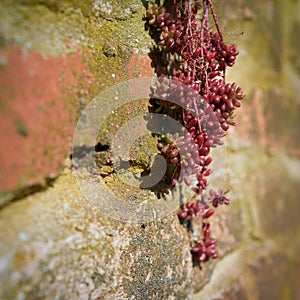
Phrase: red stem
pixel 204 32
pixel 215 18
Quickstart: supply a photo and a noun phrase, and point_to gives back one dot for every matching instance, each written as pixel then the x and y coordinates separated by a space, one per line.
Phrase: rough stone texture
pixel 55 57
pixel 66 249
pixel 54 60
pixel 262 155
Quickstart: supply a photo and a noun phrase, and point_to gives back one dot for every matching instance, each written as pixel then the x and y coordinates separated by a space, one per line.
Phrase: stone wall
pixel 55 57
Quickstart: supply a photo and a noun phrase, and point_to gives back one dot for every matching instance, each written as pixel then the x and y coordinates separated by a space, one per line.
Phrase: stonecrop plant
pixel 190 50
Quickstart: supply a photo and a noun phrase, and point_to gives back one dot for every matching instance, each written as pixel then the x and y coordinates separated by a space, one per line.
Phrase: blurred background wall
pixel 55 57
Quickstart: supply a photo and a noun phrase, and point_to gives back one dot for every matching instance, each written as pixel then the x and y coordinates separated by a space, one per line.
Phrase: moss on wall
pixel 54 243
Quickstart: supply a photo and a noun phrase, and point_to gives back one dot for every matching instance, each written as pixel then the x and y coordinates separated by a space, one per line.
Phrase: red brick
pixel 39 96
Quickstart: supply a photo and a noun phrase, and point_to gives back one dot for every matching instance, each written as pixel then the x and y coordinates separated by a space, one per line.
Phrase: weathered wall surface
pixel 55 57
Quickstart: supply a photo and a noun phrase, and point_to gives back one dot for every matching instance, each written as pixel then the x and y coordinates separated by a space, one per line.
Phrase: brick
pixel 39 99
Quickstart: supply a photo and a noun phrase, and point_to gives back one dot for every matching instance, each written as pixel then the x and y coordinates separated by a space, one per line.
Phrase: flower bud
pixel 196 53
pixel 165 149
pixel 173 153
pixel 208 161
pixel 187 180
pixel 225 126
pixel 209 213
pixel 152 20
pixel 230 105
pixel 240 96
pixel 160 18
pixel 227 88
pixel 204 151
pixel 208 172
pixel 207 234
pixel 188 205
pixel 203 257
pixel 182 214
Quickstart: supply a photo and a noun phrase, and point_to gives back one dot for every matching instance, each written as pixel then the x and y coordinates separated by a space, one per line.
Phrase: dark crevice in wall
pixel 82 151
pixel 19 194
pixel 7 198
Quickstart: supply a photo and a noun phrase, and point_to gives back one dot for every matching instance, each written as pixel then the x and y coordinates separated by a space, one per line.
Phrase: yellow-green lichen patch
pixel 115 9
pixel 111 46
pixel 58 27
pixel 119 117
pixel 38 28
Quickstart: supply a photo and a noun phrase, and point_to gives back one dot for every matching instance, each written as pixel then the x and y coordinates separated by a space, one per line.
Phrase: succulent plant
pixel 191 51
